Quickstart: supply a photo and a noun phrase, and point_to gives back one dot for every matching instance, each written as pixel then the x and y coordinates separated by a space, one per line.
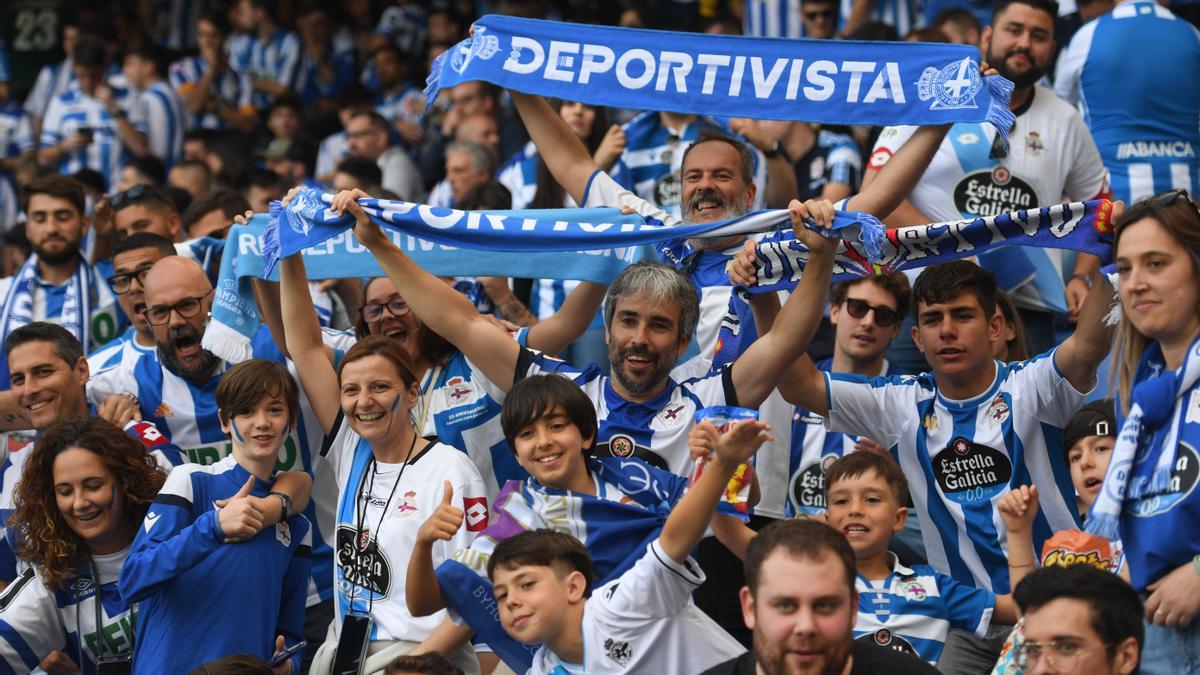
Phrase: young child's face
pixel 260 433
pixel 550 448
pixel 533 601
pixel 864 509
pixel 1088 459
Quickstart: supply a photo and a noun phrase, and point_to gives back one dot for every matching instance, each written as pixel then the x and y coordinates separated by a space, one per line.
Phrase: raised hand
pixel 702 440
pixel 366 231
pixel 239 516
pixel 743 439
pixel 820 211
pixel 445 521
pixel 1018 508
pixel 120 409
pixel 743 269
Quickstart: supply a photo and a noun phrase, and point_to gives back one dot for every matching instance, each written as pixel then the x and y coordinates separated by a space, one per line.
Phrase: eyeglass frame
pixel 873 308
pixel 362 311
pixel 128 277
pixel 199 300
pixel 1021 658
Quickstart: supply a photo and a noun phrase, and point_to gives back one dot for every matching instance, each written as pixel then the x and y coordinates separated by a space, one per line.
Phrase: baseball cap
pixel 1097 418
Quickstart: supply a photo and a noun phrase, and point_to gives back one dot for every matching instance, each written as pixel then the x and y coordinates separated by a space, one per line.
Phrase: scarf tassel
pixel 270 239
pixel 998 113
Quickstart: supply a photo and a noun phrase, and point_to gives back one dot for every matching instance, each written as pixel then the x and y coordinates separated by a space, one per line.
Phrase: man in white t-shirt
pixel 1051 157
pixel 641 622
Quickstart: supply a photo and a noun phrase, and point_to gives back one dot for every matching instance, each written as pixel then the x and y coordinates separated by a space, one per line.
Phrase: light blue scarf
pixel 825 81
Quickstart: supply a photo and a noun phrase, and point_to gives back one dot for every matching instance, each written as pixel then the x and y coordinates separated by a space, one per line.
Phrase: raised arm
pixel 303 342
pixel 570 321
pixel 756 372
pixel 565 155
pixel 885 190
pixel 441 308
pixel 802 385
pixel 1080 354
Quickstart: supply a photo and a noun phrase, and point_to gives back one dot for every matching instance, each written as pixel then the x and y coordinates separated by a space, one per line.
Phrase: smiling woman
pixel 84 490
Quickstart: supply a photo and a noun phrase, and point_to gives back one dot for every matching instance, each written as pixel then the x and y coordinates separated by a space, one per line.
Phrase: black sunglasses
pixel 820 14
pixel 131 196
pixel 884 316
pixel 1161 200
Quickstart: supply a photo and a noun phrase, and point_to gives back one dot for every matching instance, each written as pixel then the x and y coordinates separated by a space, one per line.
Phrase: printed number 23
pixel 37 30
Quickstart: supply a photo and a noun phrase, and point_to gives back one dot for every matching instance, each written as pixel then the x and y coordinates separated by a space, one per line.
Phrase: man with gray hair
pixel 468 165
pixel 368 135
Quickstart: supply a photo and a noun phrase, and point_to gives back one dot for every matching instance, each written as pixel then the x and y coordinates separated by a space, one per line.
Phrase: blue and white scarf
pixel 1081 226
pixel 76 310
pixel 1152 403
pixel 825 81
pixel 616 535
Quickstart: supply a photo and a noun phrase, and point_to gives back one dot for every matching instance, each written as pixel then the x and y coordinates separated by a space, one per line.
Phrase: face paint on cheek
pixel 396 404
pixel 236 434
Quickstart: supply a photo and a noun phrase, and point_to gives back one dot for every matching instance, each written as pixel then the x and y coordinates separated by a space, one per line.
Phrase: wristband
pixel 1196 563
pixel 287 503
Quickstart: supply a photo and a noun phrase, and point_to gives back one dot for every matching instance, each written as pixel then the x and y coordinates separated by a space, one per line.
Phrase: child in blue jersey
pixel 85 488
pixel 216 581
pixel 909 610
pixel 644 620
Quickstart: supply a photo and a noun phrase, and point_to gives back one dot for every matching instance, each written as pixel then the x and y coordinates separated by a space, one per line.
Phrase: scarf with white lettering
pixel 1081 226
pixel 1153 402
pixel 616 534
pixel 76 309
pixel 825 81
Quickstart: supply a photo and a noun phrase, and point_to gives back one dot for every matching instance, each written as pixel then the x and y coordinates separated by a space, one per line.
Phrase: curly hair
pixel 44 537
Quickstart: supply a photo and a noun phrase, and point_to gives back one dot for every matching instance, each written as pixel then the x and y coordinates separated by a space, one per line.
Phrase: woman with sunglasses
pixel 389 478
pixel 1157 251
pixel 80 501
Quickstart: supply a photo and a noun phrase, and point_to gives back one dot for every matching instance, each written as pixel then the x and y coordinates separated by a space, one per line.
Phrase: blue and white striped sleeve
pixel 969 608
pixel 157 124
pixel 867 407
pixel 30 625
pixel 52 124
pixel 289 65
pixel 39 97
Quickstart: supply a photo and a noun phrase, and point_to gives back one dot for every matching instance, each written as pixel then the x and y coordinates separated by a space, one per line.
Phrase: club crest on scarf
pixel 953 86
pixel 479 46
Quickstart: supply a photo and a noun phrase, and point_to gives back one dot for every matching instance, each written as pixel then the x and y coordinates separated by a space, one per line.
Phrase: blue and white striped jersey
pixel 310 86
pixel 187 413
pixel 107 320
pixel 833 158
pixel 653 154
pixel 37 620
pixel 232 89
pixel 912 610
pixel 122 351
pixel 188 582
pixel 1149 141
pixel 903 15
pixel 72 111
pixel 405 25
pixel 772 18
pixel 16 137
pixel 277 58
pixel 160 113
pixel 331 151
pixel 961 457
pixel 813 448
pixel 405 105
pixel 53 80
pixel 176 21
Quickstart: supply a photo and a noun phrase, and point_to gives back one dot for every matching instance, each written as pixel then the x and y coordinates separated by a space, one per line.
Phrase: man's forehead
pixel 1027 15
pixel 47 202
pixel 712 154
pixel 643 304
pixel 135 258
pixel 33 354
pixel 789 574
pixel 958 302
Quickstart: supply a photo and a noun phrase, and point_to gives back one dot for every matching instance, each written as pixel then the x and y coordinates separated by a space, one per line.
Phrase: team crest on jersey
pixel 618 651
pixel 283 534
pixel 621 446
pixel 913 590
pixel 1183 481
pixel 666 190
pixel 457 389
pixel 954 86
pixel 998 411
pixel 163 410
pixel 969 472
pixel 407 505
pixel 1033 143
pixel 930 422
pixel 886 638
pixel 672 416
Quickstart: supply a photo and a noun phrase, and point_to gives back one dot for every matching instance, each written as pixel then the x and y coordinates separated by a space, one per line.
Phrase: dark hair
pixel 536 397
pixel 856 464
pixel 394 49
pixel 379 122
pixel 1016 348
pixel 927 34
pixel 662 283
pixel 89 52
pixel 896 285
pixel 543 548
pixel 550 194
pixel 234 664
pixel 144 240
pixel 150 167
pixel 152 52
pixel 230 202
pixel 711 134
pixel 381 345
pixel 1048 6
pixel 807 539
pixel 489 196
pixel 434 348
pixel 353 95
pixel 144 194
pixel 946 281
pixel 875 31
pixel 45 537
pixel 958 16
pixel 91 179
pixel 365 171
pixel 431 663
pixel 265 179
pixel 219 20
pixel 60 187
pixel 1114 608
pixel 288 100
pixel 244 385
pixel 66 346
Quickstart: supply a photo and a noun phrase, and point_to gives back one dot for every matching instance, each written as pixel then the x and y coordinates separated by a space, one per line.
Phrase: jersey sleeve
pixel 38 100
pixel 295 591
pixel 1070 64
pixel 470 495
pixel 23 138
pixel 165 453
pixel 113 380
pixel 867 407
pixel 843 164
pixel 155 124
pixel 1045 392
pixel 890 140
pixel 289 64
pixel 602 190
pixel 170 540
pixel 532 362
pixel 30 625
pixel 1087 177
pixel 52 124
pixel 655 587
pixel 969 608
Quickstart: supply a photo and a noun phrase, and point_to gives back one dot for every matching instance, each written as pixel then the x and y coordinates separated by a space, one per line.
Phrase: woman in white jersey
pixel 389 478
pixel 81 498
pixel 1157 252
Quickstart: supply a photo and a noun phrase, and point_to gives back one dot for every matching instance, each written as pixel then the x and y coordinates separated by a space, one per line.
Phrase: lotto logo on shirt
pixel 969 472
pixel 476 513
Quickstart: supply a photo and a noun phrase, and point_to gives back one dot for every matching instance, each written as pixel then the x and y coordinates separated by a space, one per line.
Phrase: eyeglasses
pixel 884 316
pixel 120 282
pixel 373 312
pixel 187 308
pixel 1060 655
pixel 128 197
pixel 820 14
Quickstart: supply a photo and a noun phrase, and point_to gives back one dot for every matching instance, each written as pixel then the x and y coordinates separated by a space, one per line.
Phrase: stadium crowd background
pixel 164 120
